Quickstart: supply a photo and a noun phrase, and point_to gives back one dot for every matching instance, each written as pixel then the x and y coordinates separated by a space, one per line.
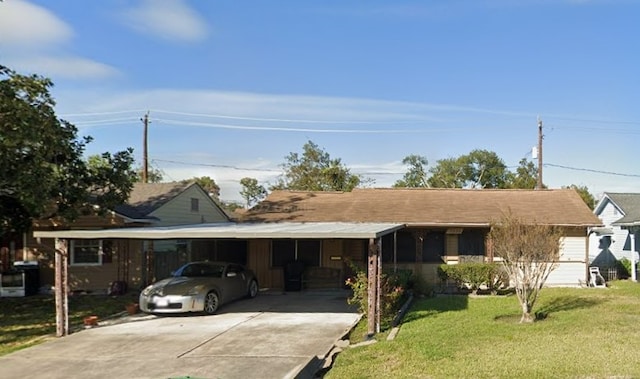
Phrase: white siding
pixel 608 215
pixel 572 269
pixel 178 210
pixel 567 274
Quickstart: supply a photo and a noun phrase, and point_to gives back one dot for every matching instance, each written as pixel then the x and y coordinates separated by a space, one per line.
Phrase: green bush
pixel 475 275
pixel 393 288
pixel 624 268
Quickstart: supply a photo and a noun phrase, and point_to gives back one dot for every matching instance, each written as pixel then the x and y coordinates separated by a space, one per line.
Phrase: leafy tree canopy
pixel 478 169
pixel 525 176
pixel 315 170
pixel 154 175
pixel 208 184
pixel 251 191
pixel 43 172
pixel 416 175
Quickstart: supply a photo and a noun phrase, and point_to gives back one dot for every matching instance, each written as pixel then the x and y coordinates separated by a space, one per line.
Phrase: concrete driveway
pixel 271 336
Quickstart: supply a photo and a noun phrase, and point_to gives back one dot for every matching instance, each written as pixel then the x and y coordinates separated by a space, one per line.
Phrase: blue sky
pixel 233 86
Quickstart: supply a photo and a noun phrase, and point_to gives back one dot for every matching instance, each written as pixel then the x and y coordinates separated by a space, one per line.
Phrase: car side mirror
pixel 231 275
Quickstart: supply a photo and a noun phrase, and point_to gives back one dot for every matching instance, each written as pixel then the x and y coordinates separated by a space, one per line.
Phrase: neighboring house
pixel 95 263
pixel 442 225
pixel 619 212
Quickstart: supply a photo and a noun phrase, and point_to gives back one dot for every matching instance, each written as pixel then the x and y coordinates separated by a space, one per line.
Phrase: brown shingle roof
pixel 427 207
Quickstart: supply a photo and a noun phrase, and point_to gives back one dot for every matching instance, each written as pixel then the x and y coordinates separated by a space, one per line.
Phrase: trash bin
pixel 293 276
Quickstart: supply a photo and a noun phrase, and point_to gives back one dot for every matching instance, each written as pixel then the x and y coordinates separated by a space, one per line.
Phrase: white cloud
pixel 172 20
pixel 27 25
pixel 55 67
pixel 33 41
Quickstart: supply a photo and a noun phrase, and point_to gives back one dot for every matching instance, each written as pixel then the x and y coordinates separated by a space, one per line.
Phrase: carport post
pixel 61 283
pixel 373 295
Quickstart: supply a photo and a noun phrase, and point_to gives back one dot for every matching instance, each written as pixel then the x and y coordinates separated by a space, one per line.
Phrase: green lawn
pixel 26 321
pixel 587 333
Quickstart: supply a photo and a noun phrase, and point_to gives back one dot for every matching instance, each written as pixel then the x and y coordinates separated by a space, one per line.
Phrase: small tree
pixel 251 191
pixel 530 252
pixel 315 170
pixel 416 175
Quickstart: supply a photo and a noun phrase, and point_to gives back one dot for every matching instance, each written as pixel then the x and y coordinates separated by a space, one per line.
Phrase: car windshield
pixel 201 269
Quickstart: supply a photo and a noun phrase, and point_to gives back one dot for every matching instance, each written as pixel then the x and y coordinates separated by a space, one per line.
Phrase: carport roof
pixel 310 230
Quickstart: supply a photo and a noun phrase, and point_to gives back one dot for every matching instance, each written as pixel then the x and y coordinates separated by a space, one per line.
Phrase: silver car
pixel 199 287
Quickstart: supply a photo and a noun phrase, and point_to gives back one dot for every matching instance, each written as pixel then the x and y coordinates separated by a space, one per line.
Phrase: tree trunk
pixel 526 313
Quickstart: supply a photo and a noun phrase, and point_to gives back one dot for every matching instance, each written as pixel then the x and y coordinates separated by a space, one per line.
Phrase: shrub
pixel 475 275
pixel 624 267
pixel 393 288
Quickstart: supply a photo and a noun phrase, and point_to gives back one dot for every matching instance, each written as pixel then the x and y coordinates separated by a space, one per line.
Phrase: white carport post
pixel 634 253
pixel 61 284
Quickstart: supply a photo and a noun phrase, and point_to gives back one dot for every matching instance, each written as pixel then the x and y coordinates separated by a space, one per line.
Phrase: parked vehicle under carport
pixel 199 287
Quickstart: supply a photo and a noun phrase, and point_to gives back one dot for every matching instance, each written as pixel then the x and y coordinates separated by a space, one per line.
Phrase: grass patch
pixel 27 321
pixel 580 333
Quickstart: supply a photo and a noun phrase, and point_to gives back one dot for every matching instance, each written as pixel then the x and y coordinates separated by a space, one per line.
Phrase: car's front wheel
pixel 253 289
pixel 211 303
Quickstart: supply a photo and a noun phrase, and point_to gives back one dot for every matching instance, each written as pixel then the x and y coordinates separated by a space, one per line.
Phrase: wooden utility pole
pixel 145 157
pixel 373 280
pixel 539 185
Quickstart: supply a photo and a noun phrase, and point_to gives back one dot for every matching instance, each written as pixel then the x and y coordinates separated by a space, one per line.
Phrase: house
pixel 620 214
pixel 441 226
pixel 412 229
pixel 95 263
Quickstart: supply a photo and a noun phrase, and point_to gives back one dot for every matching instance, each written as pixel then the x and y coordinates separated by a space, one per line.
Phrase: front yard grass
pixel 26 321
pixel 582 333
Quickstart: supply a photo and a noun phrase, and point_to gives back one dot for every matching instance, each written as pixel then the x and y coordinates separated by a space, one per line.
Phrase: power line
pixel 217 165
pixel 591 170
pixel 100 113
pixel 277 119
pixel 376 172
pixel 285 129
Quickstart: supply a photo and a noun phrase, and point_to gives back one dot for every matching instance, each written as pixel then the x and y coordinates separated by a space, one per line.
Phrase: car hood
pixel 178 285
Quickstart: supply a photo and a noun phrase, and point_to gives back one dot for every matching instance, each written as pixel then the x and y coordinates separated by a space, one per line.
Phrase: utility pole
pixel 539 185
pixel 145 157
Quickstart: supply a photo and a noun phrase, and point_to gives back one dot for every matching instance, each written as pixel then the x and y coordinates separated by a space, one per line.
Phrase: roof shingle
pixel 425 207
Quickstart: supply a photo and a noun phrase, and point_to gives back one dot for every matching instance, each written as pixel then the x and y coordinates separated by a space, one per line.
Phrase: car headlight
pixel 147 291
pixel 195 290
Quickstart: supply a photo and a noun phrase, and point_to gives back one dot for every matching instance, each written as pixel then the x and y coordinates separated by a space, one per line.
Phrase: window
pixel 195 205
pixel 282 252
pixel 86 252
pixel 233 251
pixel 406 247
pixel 308 252
pixel 433 247
pixel 471 242
pixel 285 251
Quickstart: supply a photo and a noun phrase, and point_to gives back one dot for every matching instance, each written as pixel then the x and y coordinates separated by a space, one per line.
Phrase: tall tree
pixel 251 191
pixel 478 169
pixel 525 176
pixel 530 252
pixel 43 172
pixel 584 193
pixel 154 175
pixel 208 184
pixel 416 175
pixel 315 170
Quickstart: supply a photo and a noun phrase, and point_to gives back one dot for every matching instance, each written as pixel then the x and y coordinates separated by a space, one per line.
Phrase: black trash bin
pixel 293 276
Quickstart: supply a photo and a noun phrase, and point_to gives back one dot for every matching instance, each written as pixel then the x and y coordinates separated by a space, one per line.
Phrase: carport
pixel 373 232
